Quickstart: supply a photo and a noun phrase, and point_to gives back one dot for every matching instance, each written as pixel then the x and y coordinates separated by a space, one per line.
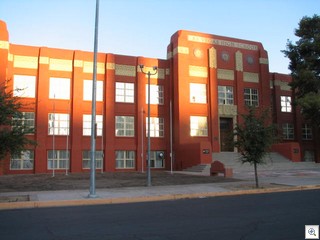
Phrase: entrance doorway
pixel 226 129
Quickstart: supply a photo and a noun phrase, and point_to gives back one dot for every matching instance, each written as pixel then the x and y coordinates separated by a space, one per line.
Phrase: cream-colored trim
pixel 263 60
pixel 4 45
pixel 228 110
pixel 60 64
pixel 225 74
pixel 212 57
pixel 125 70
pixel 78 63
pixel 160 73
pixel 100 68
pixel 88 67
pixel 181 50
pixel 225 43
pixel 10 57
pixel 198 71
pixel 271 84
pixel 250 77
pixel 44 60
pixel 167 71
pixel 25 62
pixel 283 85
pixel 239 62
pixel 110 66
pixel 169 55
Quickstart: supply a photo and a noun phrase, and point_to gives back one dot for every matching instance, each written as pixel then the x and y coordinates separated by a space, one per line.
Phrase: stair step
pixel 198 168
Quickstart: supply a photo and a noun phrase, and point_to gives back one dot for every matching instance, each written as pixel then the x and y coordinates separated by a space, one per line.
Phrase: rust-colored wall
pixel 290 150
pixel 192 58
pixel 202 53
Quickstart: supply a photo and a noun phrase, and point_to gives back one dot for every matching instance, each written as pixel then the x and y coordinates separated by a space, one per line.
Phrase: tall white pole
pixel 92 193
pixel 53 130
pixel 102 147
pixel 171 133
pixel 149 144
pixel 67 147
pixel 142 142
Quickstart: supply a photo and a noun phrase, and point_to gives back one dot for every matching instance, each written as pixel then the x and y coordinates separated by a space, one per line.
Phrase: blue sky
pixel 144 27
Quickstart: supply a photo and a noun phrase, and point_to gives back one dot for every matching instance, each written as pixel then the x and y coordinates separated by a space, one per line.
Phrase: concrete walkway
pixel 280 177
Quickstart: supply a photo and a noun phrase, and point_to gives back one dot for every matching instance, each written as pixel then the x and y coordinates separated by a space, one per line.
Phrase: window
pixel 286 104
pixel 156 159
pixel 225 94
pixel 59 88
pixel 23 161
pixel 306 132
pixel 86 130
pixel 251 97
pixel 288 131
pixel 58 159
pixel 125 159
pixel 156 127
pixel 198 93
pixel 86 158
pixel 124 126
pixel 156 94
pixel 87 90
pixel 58 124
pixel 26 120
pixel 24 86
pixel 124 92
pixel 308 156
pixel 198 126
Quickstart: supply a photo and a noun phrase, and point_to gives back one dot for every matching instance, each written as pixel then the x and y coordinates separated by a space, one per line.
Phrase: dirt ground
pixel 45 182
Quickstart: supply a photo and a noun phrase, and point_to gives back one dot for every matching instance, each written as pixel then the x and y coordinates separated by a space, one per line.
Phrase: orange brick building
pixel 196 97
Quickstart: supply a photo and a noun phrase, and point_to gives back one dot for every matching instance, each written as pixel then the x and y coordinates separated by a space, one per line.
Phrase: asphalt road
pixel 263 216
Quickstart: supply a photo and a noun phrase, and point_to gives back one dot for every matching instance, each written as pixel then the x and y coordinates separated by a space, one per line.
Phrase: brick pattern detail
pixel 251 77
pixel 212 58
pixel 125 70
pixel 198 71
pixel 225 74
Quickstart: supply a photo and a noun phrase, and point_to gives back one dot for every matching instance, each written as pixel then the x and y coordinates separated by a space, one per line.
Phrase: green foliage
pixel 12 132
pixel 304 64
pixel 254 137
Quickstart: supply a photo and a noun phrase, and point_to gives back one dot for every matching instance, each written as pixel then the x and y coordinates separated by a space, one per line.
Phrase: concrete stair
pixel 203 169
pixel 273 162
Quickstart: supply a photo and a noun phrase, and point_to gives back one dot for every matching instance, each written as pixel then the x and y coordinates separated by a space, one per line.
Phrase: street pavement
pixel 278 177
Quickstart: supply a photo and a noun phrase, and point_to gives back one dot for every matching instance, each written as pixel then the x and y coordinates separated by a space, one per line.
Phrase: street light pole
pixel 92 193
pixel 155 69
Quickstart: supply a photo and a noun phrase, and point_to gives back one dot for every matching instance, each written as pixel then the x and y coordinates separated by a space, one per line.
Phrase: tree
pixel 304 65
pixel 254 137
pixel 13 132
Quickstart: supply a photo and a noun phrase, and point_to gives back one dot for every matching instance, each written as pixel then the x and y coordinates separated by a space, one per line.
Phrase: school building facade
pixel 197 95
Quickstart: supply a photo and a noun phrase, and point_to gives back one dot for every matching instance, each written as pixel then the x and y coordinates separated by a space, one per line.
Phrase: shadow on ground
pixel 45 182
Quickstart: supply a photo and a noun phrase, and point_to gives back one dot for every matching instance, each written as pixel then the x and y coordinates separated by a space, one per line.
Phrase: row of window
pixel 59 159
pixel 58 124
pixel 288 131
pixel 24 86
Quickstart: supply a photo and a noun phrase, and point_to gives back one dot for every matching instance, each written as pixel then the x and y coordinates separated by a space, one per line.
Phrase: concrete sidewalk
pixel 270 181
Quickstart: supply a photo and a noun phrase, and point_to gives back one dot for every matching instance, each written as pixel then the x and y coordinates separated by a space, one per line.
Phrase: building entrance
pixel 226 128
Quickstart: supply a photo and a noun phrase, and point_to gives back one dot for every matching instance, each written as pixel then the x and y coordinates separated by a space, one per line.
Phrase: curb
pixel 165 197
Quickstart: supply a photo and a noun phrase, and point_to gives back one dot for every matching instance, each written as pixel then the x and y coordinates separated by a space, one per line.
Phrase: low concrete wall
pixel 290 150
